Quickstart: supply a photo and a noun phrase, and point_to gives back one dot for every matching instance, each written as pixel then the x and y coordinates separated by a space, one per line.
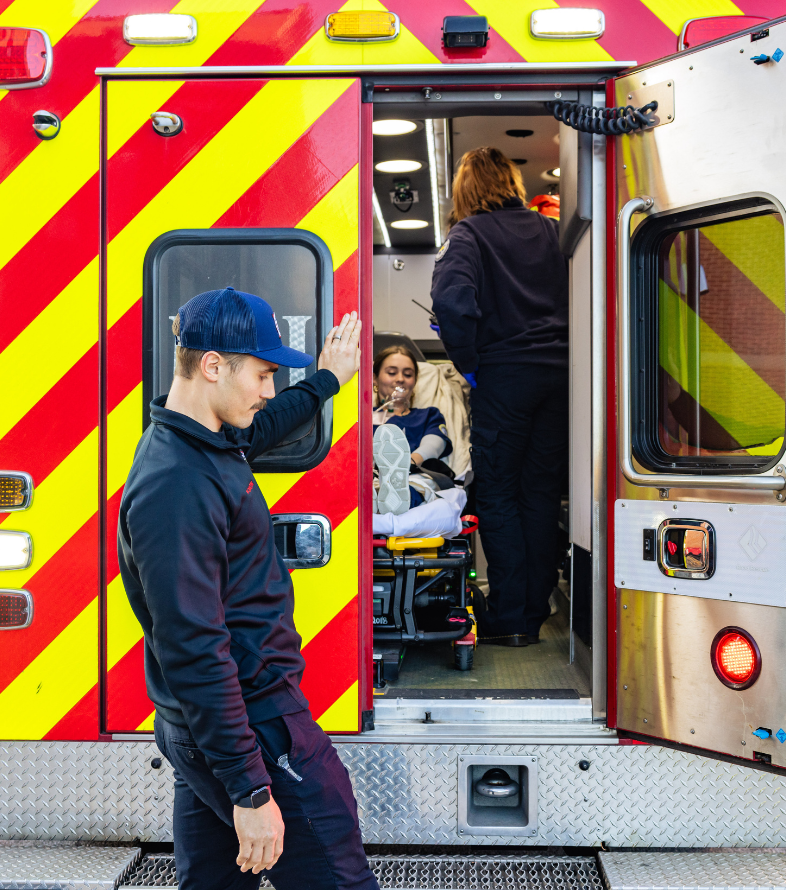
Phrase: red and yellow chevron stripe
pixel 305 174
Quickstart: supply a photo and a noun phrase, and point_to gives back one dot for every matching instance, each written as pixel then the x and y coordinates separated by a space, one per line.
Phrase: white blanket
pixel 441 518
pixel 442 386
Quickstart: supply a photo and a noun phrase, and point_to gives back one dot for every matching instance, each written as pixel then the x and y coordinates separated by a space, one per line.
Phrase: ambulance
pixel 304 151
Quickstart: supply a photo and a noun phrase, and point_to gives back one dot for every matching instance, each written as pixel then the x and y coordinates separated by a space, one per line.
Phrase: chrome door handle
pixel 624 435
pixel 302 539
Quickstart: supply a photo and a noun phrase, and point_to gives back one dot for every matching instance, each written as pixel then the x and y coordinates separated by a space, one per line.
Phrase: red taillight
pixel 698 31
pixel 25 58
pixel 735 658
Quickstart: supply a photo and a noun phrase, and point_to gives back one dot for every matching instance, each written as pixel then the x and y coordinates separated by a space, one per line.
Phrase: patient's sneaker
pixel 392 457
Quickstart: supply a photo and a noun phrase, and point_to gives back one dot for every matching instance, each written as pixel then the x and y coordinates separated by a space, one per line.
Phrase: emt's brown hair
pixel 379 360
pixel 187 360
pixel 485 179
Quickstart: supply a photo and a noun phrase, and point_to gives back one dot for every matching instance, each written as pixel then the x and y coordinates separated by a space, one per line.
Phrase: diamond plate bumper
pixel 48 865
pixel 726 870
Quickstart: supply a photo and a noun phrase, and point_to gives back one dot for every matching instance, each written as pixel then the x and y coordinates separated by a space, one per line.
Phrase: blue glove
pixel 435 327
pixel 471 379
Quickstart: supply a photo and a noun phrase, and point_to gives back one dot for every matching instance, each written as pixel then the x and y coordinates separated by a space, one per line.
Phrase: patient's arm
pixel 431 446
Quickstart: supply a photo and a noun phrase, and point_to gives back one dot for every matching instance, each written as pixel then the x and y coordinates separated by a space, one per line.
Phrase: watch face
pixel 260 798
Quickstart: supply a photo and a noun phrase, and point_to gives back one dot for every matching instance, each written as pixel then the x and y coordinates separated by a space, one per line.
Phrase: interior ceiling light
pixel 362 26
pixel 553 172
pixel 159 29
pixel 409 224
pixel 398 166
pixel 567 23
pixel 432 169
pixel 380 219
pixel 393 128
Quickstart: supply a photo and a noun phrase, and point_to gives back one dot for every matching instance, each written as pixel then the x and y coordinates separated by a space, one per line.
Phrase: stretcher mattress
pixel 440 518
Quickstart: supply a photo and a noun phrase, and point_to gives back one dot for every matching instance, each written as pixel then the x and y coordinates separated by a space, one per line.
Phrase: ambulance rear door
pixel 697 607
pixel 252 183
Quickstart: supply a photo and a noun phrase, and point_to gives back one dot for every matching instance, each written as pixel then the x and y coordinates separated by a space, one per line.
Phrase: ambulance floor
pixel 542 669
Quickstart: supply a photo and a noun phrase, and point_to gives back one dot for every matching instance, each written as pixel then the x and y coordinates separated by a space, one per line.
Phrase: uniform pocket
pixel 482 440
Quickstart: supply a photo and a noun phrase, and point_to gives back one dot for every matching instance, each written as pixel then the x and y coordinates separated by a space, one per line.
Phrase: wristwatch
pixel 256 799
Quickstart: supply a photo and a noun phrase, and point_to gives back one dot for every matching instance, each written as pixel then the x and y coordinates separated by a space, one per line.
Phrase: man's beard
pixel 260 405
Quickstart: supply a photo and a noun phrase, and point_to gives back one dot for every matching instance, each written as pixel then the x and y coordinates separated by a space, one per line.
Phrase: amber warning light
pixel 25 58
pixel 736 658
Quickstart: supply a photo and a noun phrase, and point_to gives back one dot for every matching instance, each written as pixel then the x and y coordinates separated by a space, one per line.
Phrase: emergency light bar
pixel 159 29
pixel 25 58
pixel 366 27
pixel 567 23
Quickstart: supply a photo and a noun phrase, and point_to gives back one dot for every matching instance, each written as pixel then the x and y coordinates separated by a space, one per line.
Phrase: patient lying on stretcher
pixel 408 445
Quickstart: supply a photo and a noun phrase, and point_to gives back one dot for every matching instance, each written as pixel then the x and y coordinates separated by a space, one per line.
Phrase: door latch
pixel 686 549
pixel 302 539
pixel 165 123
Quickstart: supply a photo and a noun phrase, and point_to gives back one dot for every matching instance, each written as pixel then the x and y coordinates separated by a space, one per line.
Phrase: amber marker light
pixel 355 26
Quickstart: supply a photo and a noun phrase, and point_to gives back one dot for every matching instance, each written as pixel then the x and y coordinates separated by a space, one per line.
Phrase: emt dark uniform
pixel 500 293
pixel 222 656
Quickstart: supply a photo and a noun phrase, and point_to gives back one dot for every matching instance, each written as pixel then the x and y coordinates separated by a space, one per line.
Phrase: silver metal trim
pixel 30 607
pixel 756 482
pixel 29 542
pixel 30 488
pixel 47 68
pixel 594 35
pixel 396 23
pixel 160 42
pixel 289 70
pixel 316 519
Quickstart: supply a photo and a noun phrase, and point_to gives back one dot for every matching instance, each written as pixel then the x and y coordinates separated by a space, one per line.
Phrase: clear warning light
pixel 736 658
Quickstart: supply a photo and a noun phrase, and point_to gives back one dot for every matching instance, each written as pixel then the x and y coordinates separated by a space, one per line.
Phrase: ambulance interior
pixel 410 224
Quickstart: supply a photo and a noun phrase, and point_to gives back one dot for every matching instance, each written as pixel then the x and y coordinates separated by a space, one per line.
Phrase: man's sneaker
pixel 392 457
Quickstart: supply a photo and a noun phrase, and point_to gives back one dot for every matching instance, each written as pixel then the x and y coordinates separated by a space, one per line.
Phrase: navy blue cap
pixel 229 320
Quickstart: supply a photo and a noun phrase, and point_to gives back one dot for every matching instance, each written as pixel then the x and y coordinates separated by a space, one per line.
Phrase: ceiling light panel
pixel 398 166
pixel 409 224
pixel 393 128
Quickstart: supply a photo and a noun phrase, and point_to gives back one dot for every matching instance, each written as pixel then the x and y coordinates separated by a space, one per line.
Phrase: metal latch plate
pixel 662 93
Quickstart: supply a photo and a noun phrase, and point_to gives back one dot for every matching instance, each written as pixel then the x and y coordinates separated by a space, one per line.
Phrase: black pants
pixel 322 844
pixel 520 457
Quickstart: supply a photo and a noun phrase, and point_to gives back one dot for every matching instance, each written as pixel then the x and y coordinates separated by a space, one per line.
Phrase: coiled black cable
pixel 604 121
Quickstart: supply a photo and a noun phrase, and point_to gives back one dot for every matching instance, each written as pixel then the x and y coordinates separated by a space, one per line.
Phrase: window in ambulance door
pixel 289 268
pixel 712 339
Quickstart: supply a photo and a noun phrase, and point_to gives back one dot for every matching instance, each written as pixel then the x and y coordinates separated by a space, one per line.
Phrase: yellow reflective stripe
pixel 405 48
pixel 58 169
pixel 335 218
pixel 54 17
pixel 674 13
pixel 342 715
pixel 63 503
pixel 140 99
pixel 123 631
pixel 148 724
pixel 727 382
pixel 124 428
pixel 345 409
pixel 314 607
pixel 510 26
pixel 54 681
pixel 757 250
pixel 64 331
pixel 188 202
pixel 275 485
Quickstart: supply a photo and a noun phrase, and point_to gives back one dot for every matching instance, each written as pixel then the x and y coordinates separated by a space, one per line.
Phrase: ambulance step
pixel 686 870
pixel 60 865
pixel 431 872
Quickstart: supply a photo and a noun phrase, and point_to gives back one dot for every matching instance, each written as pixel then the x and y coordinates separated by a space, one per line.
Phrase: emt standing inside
pixel 215 601
pixel 500 293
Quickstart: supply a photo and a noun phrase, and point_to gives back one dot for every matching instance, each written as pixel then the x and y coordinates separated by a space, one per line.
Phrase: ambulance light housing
pixel 16 491
pixel 25 58
pixel 159 29
pixel 16 550
pixel 735 657
pixel 567 23
pixel 465 31
pixel 697 31
pixel 354 26
pixel 16 609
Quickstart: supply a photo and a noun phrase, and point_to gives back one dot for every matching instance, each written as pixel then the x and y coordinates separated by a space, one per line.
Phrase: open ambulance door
pixel 252 183
pixel 697 608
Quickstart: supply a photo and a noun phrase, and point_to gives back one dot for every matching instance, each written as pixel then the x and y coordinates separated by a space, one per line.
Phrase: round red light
pixel 736 658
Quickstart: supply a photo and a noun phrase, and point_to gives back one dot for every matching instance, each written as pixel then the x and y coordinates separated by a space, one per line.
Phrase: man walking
pixel 215 601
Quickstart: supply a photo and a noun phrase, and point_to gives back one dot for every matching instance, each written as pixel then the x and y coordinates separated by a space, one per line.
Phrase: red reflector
pixel 736 658
pixel 25 56
pixel 698 31
pixel 16 609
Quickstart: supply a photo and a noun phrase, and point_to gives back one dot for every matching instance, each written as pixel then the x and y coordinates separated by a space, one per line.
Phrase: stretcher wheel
pixel 463 656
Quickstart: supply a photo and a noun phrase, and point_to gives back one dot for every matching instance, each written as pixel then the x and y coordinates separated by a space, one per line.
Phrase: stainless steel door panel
pixel 750 545
pixel 667 688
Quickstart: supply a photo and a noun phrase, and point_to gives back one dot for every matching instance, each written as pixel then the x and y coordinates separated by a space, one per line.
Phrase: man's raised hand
pixel 341 353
